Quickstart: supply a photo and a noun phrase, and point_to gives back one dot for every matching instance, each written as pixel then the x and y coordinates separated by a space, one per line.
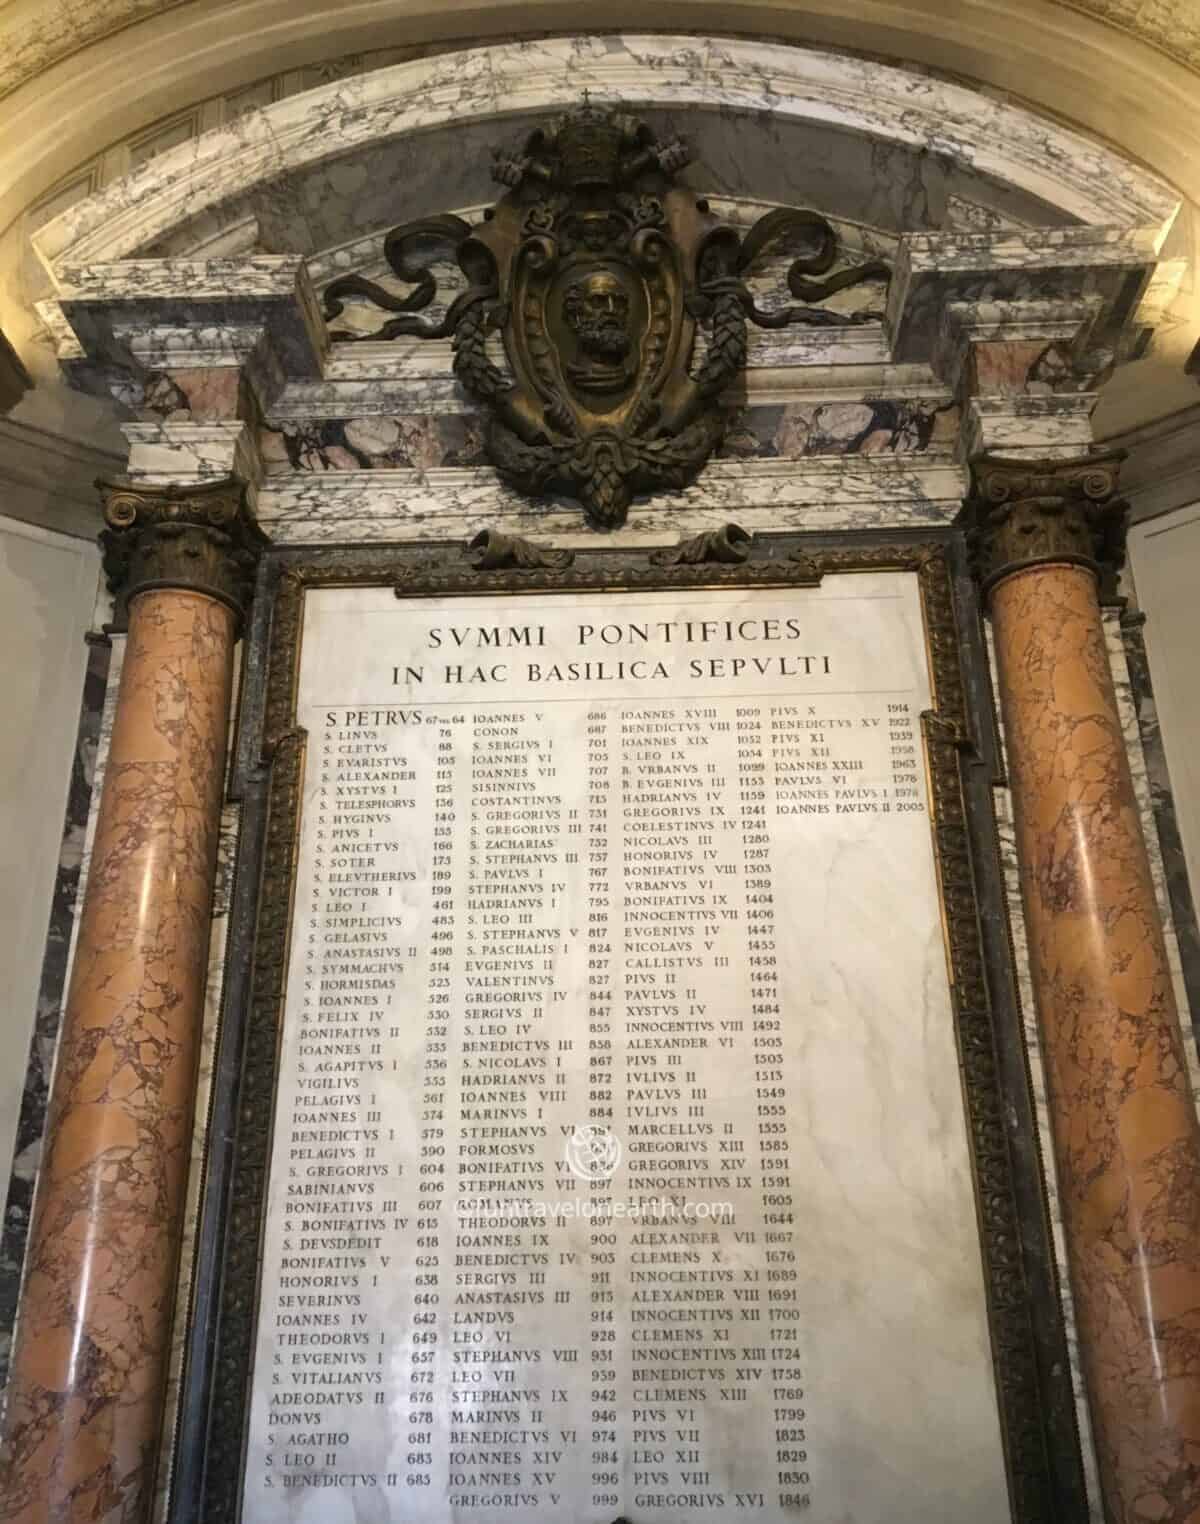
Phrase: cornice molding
pixel 816 493
pixel 49 480
pixel 15 380
pixel 1162 468
pixel 1170 26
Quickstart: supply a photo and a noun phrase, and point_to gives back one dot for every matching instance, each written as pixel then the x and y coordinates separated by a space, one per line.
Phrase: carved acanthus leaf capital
pixel 1024 513
pixel 200 537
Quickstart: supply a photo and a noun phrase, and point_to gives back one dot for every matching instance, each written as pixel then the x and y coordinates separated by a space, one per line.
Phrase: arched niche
pixel 769 122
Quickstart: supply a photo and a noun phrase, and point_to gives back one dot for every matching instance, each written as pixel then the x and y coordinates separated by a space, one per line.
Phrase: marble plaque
pixel 620 1166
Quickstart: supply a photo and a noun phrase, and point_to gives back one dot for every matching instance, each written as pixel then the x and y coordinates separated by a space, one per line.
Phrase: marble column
pixel 1126 1138
pixel 85 1393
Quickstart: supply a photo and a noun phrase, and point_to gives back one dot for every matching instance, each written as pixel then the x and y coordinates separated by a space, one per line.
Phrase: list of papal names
pixel 564 1210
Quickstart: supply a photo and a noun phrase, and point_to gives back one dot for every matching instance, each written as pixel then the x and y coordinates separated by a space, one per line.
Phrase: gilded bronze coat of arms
pixel 622 304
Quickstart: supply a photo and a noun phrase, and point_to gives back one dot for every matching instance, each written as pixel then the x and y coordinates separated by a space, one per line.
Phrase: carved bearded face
pixel 596 309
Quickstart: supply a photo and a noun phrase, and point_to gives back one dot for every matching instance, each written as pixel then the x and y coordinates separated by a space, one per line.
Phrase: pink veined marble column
pixel 1126 1137
pixel 85 1394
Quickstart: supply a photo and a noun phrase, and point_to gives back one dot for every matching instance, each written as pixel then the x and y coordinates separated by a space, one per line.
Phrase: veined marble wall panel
pixel 1169 798
pixel 16 1232
pixel 227 845
pixel 920 429
pixel 1163 553
pixel 823 493
pixel 412 361
pixel 1127 708
pixel 365 256
pixel 397 381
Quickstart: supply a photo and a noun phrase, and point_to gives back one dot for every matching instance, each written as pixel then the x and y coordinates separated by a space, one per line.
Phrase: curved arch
pixel 1079 68
pixel 986 136
pixel 38 36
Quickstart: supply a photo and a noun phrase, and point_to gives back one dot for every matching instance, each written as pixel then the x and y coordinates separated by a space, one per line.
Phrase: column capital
pixel 198 537
pixel 1025 513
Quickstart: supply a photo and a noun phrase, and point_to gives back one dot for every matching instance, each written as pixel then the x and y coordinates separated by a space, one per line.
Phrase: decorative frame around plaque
pixel 775 560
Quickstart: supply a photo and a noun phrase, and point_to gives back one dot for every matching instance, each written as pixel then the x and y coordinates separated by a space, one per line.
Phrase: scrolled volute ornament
pixel 725 257
pixel 1024 513
pixel 492 551
pixel 727 546
pixel 199 538
pixel 598 271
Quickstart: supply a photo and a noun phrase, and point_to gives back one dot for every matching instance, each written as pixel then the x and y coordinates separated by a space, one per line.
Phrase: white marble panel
pixel 357 1365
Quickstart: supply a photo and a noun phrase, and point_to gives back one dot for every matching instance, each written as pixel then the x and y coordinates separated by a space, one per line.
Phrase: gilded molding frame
pixel 1031 1416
